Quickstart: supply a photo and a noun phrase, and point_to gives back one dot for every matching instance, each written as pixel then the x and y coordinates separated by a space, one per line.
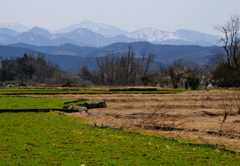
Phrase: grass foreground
pixel 31 102
pixel 54 139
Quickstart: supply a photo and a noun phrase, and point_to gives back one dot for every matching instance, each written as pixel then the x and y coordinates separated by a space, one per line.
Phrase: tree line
pixel 31 69
pixel 129 69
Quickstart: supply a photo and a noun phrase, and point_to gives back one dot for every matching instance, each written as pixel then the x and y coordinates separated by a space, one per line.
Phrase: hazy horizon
pixel 132 15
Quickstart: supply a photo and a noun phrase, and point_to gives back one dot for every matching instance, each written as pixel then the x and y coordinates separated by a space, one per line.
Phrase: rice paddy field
pixel 130 131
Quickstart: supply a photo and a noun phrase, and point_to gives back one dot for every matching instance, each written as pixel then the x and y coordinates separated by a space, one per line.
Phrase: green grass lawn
pixel 53 139
pixel 31 102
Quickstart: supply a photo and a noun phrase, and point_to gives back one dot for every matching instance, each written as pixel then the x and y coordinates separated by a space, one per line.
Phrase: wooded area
pixel 31 69
pixel 128 68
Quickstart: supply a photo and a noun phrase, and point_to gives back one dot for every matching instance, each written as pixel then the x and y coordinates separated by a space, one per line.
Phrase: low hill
pixel 70 56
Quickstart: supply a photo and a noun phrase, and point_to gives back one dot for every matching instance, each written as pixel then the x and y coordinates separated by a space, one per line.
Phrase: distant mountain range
pixel 70 57
pixel 80 44
pixel 15 26
pixel 103 29
pixel 88 33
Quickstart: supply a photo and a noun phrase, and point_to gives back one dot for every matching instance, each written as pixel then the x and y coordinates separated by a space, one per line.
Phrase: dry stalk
pixel 236 97
pixel 150 117
pixel 224 119
pixel 203 98
pixel 227 110
pixel 166 121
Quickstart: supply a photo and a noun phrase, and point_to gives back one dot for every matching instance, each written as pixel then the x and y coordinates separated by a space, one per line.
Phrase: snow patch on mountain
pixel 103 29
pixel 186 36
pixel 192 35
pixel 96 34
pixel 150 34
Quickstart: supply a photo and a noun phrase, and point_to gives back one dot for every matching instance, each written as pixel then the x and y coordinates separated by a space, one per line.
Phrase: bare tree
pixel 231 41
pixel 101 68
pixel 125 68
pixel 175 71
pixel 226 71
pixel 131 66
pixel 146 73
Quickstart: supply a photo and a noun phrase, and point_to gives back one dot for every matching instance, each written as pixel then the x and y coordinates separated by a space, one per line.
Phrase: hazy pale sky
pixel 129 15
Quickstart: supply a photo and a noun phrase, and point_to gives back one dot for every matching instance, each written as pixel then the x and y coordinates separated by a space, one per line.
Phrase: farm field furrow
pixel 188 110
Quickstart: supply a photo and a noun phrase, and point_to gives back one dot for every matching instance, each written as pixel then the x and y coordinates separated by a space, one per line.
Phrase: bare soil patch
pixel 186 115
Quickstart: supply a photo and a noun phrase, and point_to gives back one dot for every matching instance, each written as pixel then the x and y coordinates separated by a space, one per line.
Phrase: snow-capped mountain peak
pixel 149 34
pixel 177 37
pixel 96 34
pixel 103 29
pixel 192 35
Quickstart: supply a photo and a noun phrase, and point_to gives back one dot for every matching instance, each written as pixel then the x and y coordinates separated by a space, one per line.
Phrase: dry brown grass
pixel 179 111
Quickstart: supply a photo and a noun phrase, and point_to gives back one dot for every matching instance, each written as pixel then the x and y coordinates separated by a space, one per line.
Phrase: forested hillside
pixel 70 57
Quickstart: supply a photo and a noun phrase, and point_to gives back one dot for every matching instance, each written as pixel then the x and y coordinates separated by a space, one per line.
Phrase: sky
pixel 129 15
